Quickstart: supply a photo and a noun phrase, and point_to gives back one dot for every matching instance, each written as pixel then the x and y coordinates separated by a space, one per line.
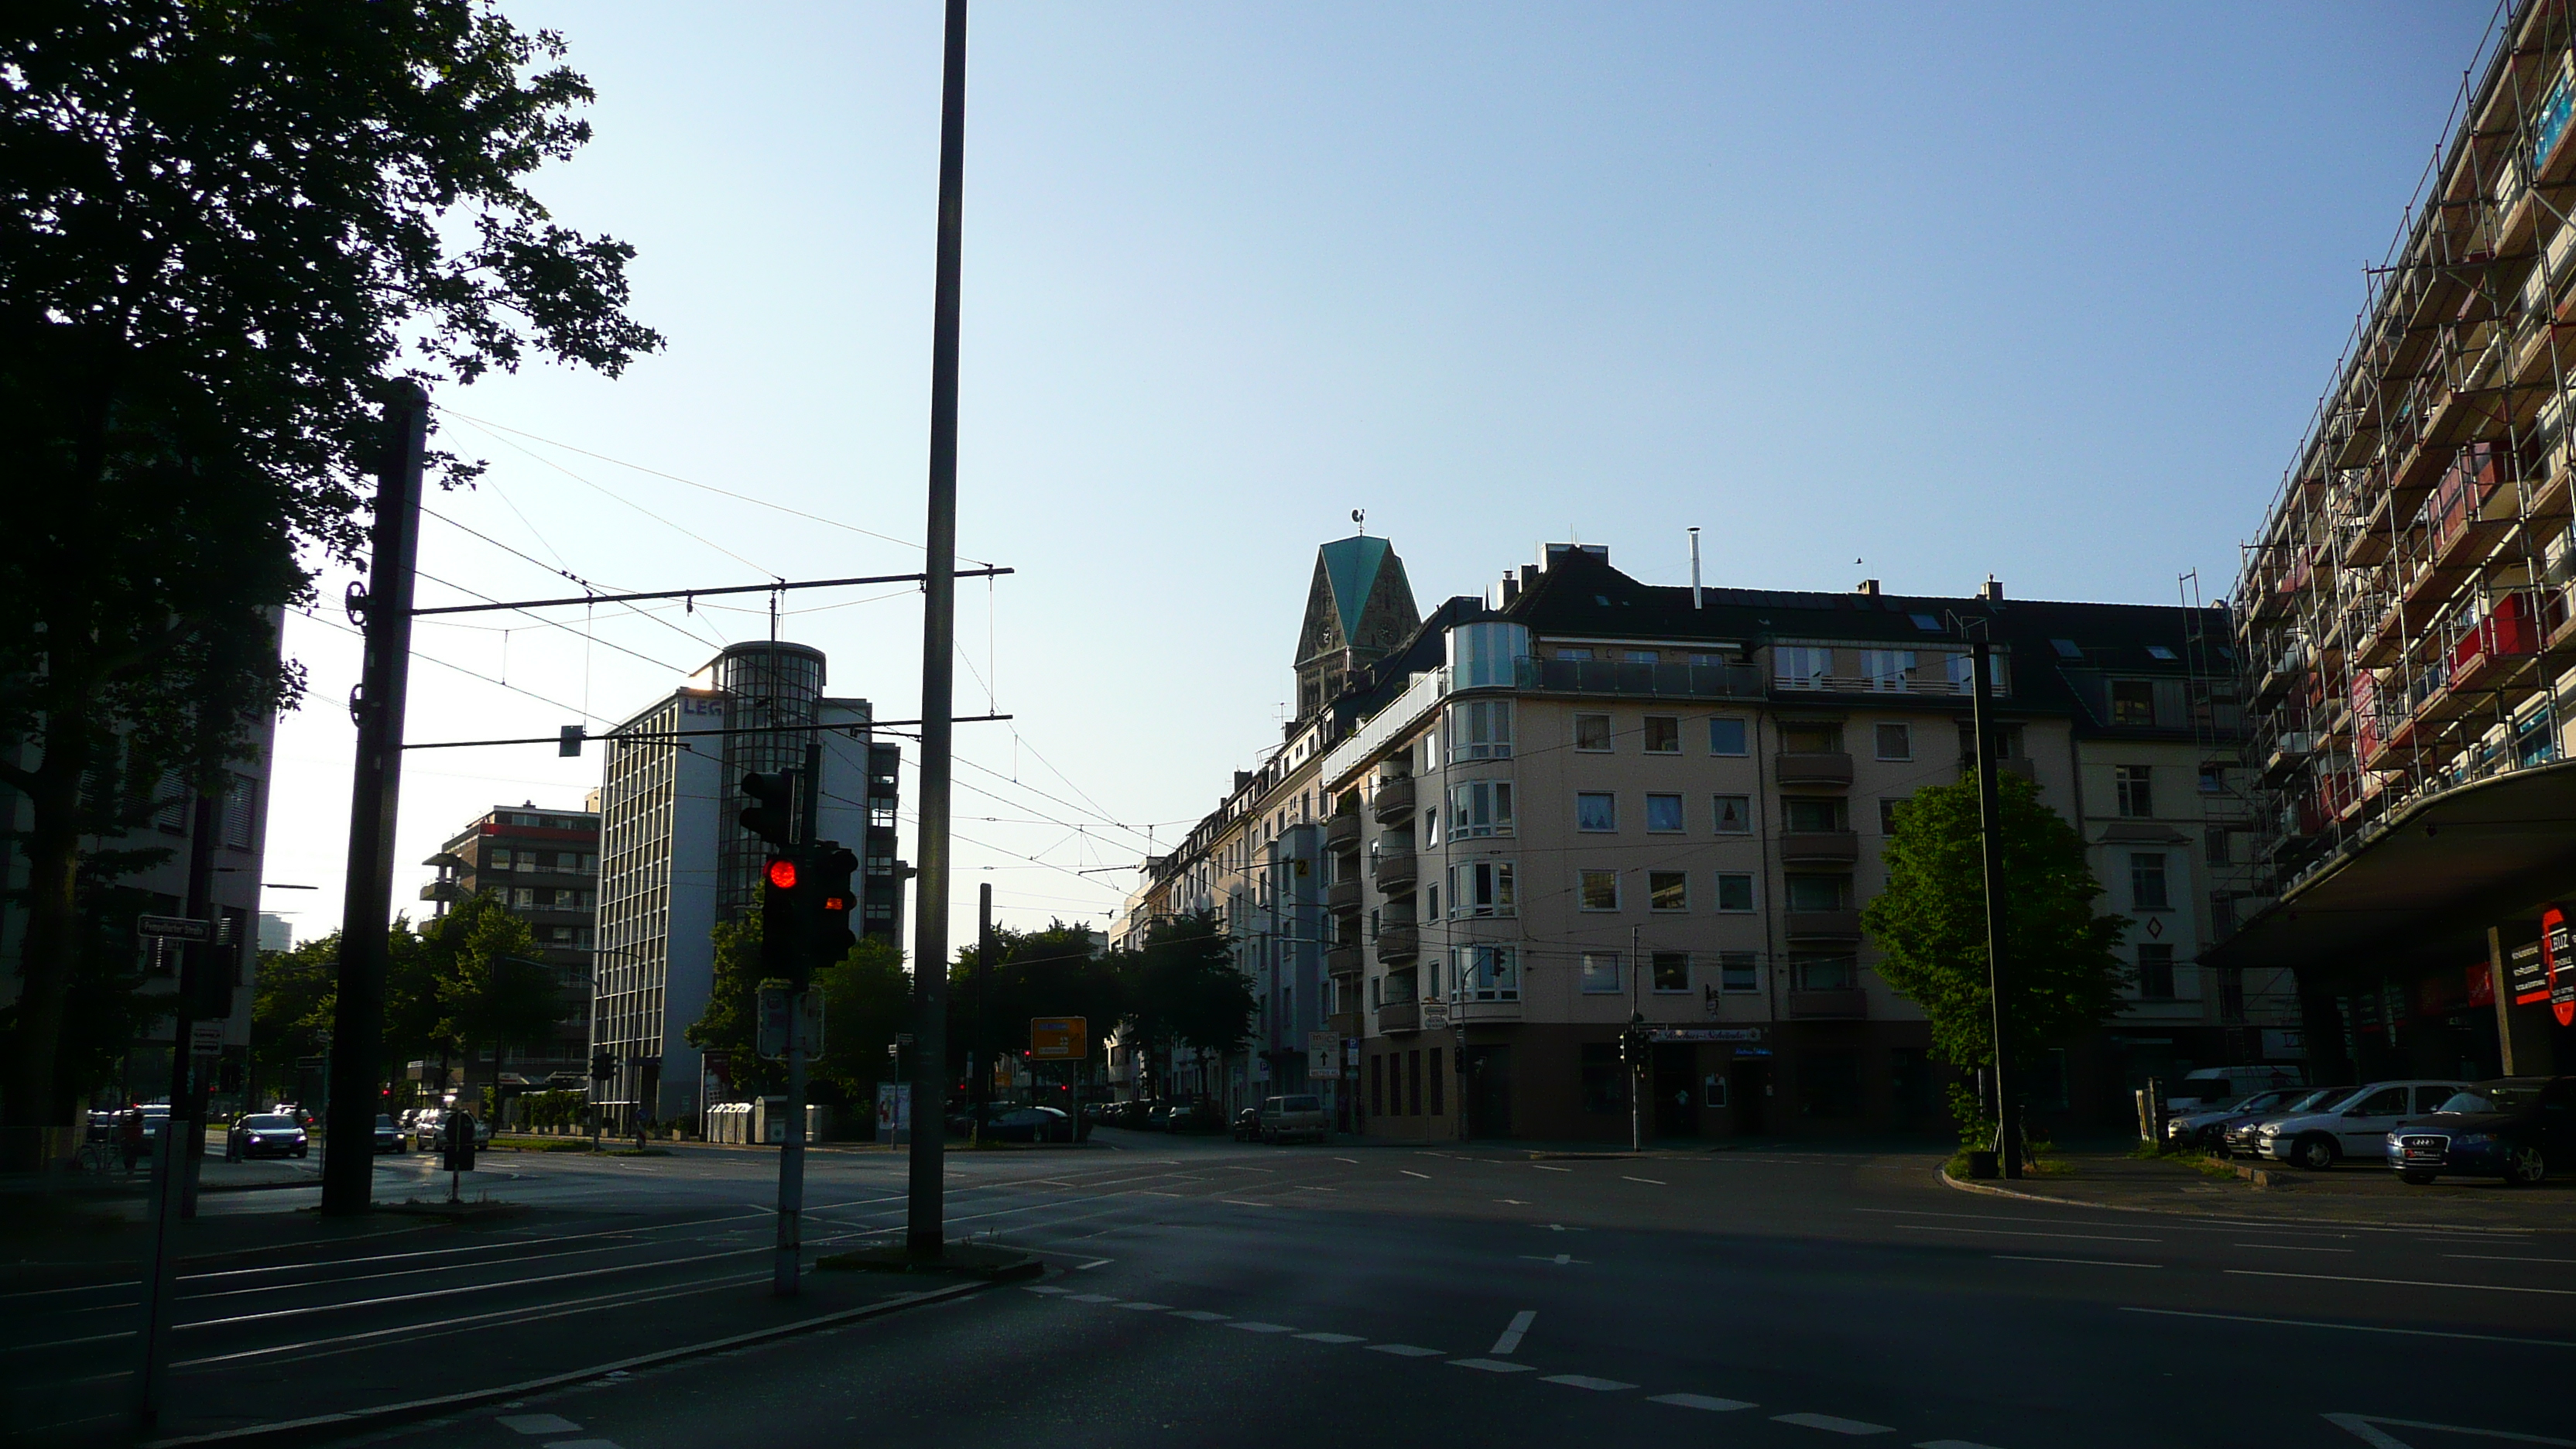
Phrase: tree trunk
pixel 52 944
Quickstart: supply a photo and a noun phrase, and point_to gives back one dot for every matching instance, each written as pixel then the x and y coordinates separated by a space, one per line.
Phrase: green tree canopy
pixel 867 1002
pixel 491 991
pixel 225 229
pixel 1183 989
pixel 1058 971
pixel 2062 976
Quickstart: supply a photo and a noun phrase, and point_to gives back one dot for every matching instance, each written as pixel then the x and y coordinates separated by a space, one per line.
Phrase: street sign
pixel 894 1110
pixel 1323 1054
pixel 206 1039
pixel 176 928
pixel 778 1014
pixel 1059 1038
pixel 1709 1033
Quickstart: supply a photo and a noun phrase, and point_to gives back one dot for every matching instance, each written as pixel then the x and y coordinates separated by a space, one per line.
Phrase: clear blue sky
pixel 2041 290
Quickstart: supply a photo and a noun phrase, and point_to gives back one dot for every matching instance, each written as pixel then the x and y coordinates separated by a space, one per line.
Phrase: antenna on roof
pixel 1694 540
pixel 1359 516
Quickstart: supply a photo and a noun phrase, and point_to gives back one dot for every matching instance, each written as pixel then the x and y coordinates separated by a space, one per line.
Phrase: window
pixel 1641 656
pixel 1926 622
pixel 1600 973
pixel 2158 651
pixel 1596 810
pixel 2155 973
pixel 1599 890
pixel 1738 972
pixel 1489 973
pixel 1889 671
pixel 2213 779
pixel 1671 970
pixel 1663 734
pixel 1480 807
pixel 1817 892
pixel 1895 741
pixel 1811 813
pixel 2214 845
pixel 1811 739
pixel 2134 785
pixel 1734 814
pixel 1734 891
pixel 1433 967
pixel 1664 814
pixel 499 860
pixel 1887 813
pixel 2133 702
pixel 1480 730
pixel 1481 888
pixel 1668 890
pixel 2067 648
pixel 1430 826
pixel 1824 973
pixel 1431 903
pixel 239 827
pixel 1602 1087
pixel 1796 667
pixel 1579 655
pixel 1592 733
pixel 1962 670
pixel 1726 736
pixel 2147 881
pixel 1377 992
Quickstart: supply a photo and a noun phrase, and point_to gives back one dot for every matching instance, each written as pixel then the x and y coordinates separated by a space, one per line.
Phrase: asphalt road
pixel 1202 1292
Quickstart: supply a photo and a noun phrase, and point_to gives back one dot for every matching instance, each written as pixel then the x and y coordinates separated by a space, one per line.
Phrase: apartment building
pixel 675 861
pixel 1586 798
pixel 544 866
pixel 2404 617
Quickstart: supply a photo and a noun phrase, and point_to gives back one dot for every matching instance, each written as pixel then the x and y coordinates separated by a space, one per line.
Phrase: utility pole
pixel 979 1058
pixel 188 1085
pixel 788 1264
pixel 366 902
pixel 1990 836
pixel 925 1230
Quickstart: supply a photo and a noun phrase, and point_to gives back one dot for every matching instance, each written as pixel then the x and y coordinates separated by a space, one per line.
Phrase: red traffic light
pixel 836 903
pixel 782 873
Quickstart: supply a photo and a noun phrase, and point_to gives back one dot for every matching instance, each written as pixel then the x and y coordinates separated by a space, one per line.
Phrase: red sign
pixel 2556 967
pixel 2481 979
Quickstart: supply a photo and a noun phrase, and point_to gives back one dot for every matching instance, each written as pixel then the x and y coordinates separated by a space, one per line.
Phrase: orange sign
pixel 1059 1038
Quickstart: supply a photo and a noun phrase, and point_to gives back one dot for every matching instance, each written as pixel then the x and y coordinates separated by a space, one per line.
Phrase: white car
pixel 2353 1125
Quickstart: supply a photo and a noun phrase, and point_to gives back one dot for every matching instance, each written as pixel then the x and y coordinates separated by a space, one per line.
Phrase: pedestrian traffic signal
pixel 773 816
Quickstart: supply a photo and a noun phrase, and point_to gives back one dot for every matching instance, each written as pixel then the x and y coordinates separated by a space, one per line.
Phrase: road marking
pixel 2085 1262
pixel 2501 1258
pixel 1201 1315
pixel 1094 1263
pixel 2358 1425
pixel 1262 1327
pixel 1701 1401
pixel 2403 1282
pixel 2024 1233
pixel 2355 1327
pixel 2296 1248
pixel 1561 1259
pixel 1310 1187
pixel 1543 1167
pixel 1951 1444
pixel 537 1424
pixel 1239 1202
pixel 1047 1289
pixel 1353 1161
pixel 1149 1192
pixel 1586 1381
pixel 1426 1177
pixel 1091 1298
pixel 1404 1350
pixel 1491 1365
pixel 1657 1181
pixel 1332 1338
pixel 583 1444
pixel 1516 1202
pixel 1511 1338
pixel 1830 1424
pixel 1141 1306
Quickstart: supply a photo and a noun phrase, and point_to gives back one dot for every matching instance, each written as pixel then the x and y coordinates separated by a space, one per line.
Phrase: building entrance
pixel 1675 1085
pixel 1489 1091
pixel 1749 1084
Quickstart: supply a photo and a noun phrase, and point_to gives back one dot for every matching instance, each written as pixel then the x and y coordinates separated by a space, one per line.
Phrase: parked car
pixel 423 1128
pixel 2208 1129
pixel 1247 1125
pixel 2240 1138
pixel 1029 1124
pixel 1290 1117
pixel 2211 1088
pixel 2356 1126
pixel 2515 1128
pixel 266 1134
pixel 1158 1117
pixel 389 1137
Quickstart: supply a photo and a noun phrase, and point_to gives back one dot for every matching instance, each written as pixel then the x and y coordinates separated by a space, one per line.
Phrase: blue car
pixel 2516 1128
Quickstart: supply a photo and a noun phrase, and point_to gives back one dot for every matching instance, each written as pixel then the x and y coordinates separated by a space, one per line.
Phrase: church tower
pixel 1358 610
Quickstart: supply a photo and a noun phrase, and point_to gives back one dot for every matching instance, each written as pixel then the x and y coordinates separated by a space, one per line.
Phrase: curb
pixel 1963 1185
pixel 324 1426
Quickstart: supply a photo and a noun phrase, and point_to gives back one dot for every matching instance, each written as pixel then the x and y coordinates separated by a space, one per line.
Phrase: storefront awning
pixel 2427 889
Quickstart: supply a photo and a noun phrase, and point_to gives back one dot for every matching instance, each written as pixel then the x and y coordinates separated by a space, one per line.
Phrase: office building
pixel 543 865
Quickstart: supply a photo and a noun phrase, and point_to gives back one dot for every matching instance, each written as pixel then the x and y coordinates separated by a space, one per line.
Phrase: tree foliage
pixel 867 1002
pixel 1184 989
pixel 490 990
pixel 1058 971
pixel 2062 976
pixel 224 229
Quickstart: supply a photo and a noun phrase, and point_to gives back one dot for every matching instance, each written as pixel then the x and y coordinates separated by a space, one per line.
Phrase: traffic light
pixel 603 1066
pixel 773 817
pixel 829 892
pixel 782 917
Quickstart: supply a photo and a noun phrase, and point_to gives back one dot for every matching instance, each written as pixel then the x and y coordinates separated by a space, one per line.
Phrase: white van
pixel 2213 1087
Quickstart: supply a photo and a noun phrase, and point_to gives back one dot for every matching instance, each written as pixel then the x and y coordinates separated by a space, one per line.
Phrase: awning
pixel 2425 891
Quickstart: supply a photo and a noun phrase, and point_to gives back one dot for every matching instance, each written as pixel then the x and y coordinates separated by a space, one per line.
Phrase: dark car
pixel 2516 1128
pixel 1029 1124
pixel 2208 1130
pixel 267 1134
pixel 1247 1125
pixel 389 1138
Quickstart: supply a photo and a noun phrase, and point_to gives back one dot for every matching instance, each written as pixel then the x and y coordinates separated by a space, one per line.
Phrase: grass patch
pixel 637 1152
pixel 541 1144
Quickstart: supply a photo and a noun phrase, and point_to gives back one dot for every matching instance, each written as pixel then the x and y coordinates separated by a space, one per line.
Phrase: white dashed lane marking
pixel 1332 1338
pixel 1491 1365
pixel 1701 1401
pixel 1141 1306
pixel 1201 1315
pixel 1404 1350
pixel 2081 1262
pixel 538 1424
pixel 1262 1327
pixel 1426 1177
pixel 1511 1338
pixel 1830 1424
pixel 1656 1181
pixel 1586 1381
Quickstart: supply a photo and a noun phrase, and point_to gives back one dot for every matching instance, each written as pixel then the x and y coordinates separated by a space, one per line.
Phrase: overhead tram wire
pixel 679 528
pixel 543 622
pixel 563 573
pixel 461 669
pixel 913 545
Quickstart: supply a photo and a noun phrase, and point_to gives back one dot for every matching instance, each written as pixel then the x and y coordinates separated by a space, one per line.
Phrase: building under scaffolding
pixel 2404 618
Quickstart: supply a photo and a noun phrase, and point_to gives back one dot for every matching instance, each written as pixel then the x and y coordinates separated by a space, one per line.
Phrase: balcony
pixel 1342 961
pixel 1343 895
pixel 1394 800
pixel 1399 1016
pixel 1400 942
pixel 1841 846
pixel 1803 767
pixel 1848 1003
pixel 1342 830
pixel 1395 871
pixel 1620 676
pixel 1824 925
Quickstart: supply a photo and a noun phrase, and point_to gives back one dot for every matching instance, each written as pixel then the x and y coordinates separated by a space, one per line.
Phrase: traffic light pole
pixel 788 1263
pixel 925 1230
pixel 1990 836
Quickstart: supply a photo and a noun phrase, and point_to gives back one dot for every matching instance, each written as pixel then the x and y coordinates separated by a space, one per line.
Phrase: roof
pixel 1352 565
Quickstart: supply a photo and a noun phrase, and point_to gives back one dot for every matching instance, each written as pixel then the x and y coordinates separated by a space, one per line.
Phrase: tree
pixel 731 1021
pixel 2062 976
pixel 867 1003
pixel 1183 989
pixel 491 991
pixel 290 1010
pixel 1058 971
pixel 224 231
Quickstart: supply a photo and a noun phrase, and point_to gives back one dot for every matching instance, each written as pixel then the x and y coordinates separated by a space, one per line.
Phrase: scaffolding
pixel 2403 621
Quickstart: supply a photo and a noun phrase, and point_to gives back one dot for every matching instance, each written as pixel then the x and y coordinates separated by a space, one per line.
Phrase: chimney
pixel 1508 592
pixel 1991 591
pixel 1869 588
pixel 1694 538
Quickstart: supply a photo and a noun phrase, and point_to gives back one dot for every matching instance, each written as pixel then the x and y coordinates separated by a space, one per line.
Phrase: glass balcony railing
pixel 1619 676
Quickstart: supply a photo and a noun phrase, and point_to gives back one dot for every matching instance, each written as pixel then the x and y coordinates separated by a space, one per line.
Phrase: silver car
pixel 2357 1125
pixel 1293 1116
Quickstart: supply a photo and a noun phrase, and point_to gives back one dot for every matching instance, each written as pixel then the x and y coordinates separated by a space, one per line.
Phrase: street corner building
pixel 2404 620
pixel 1580 799
pixel 542 866
pixel 675 861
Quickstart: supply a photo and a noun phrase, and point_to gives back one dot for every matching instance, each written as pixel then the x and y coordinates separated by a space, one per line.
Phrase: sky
pixel 1914 293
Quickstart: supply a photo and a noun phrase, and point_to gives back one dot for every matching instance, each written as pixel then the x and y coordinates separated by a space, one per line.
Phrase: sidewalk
pixel 2351 1193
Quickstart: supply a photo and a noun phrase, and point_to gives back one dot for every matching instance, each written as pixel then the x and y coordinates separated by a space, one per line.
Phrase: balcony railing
pixel 1343 895
pixel 1394 800
pixel 1396 871
pixel 1398 943
pixel 1824 925
pixel 1804 767
pixel 1820 845
pixel 1342 961
pixel 1342 830
pixel 1400 1016
pixel 1620 676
